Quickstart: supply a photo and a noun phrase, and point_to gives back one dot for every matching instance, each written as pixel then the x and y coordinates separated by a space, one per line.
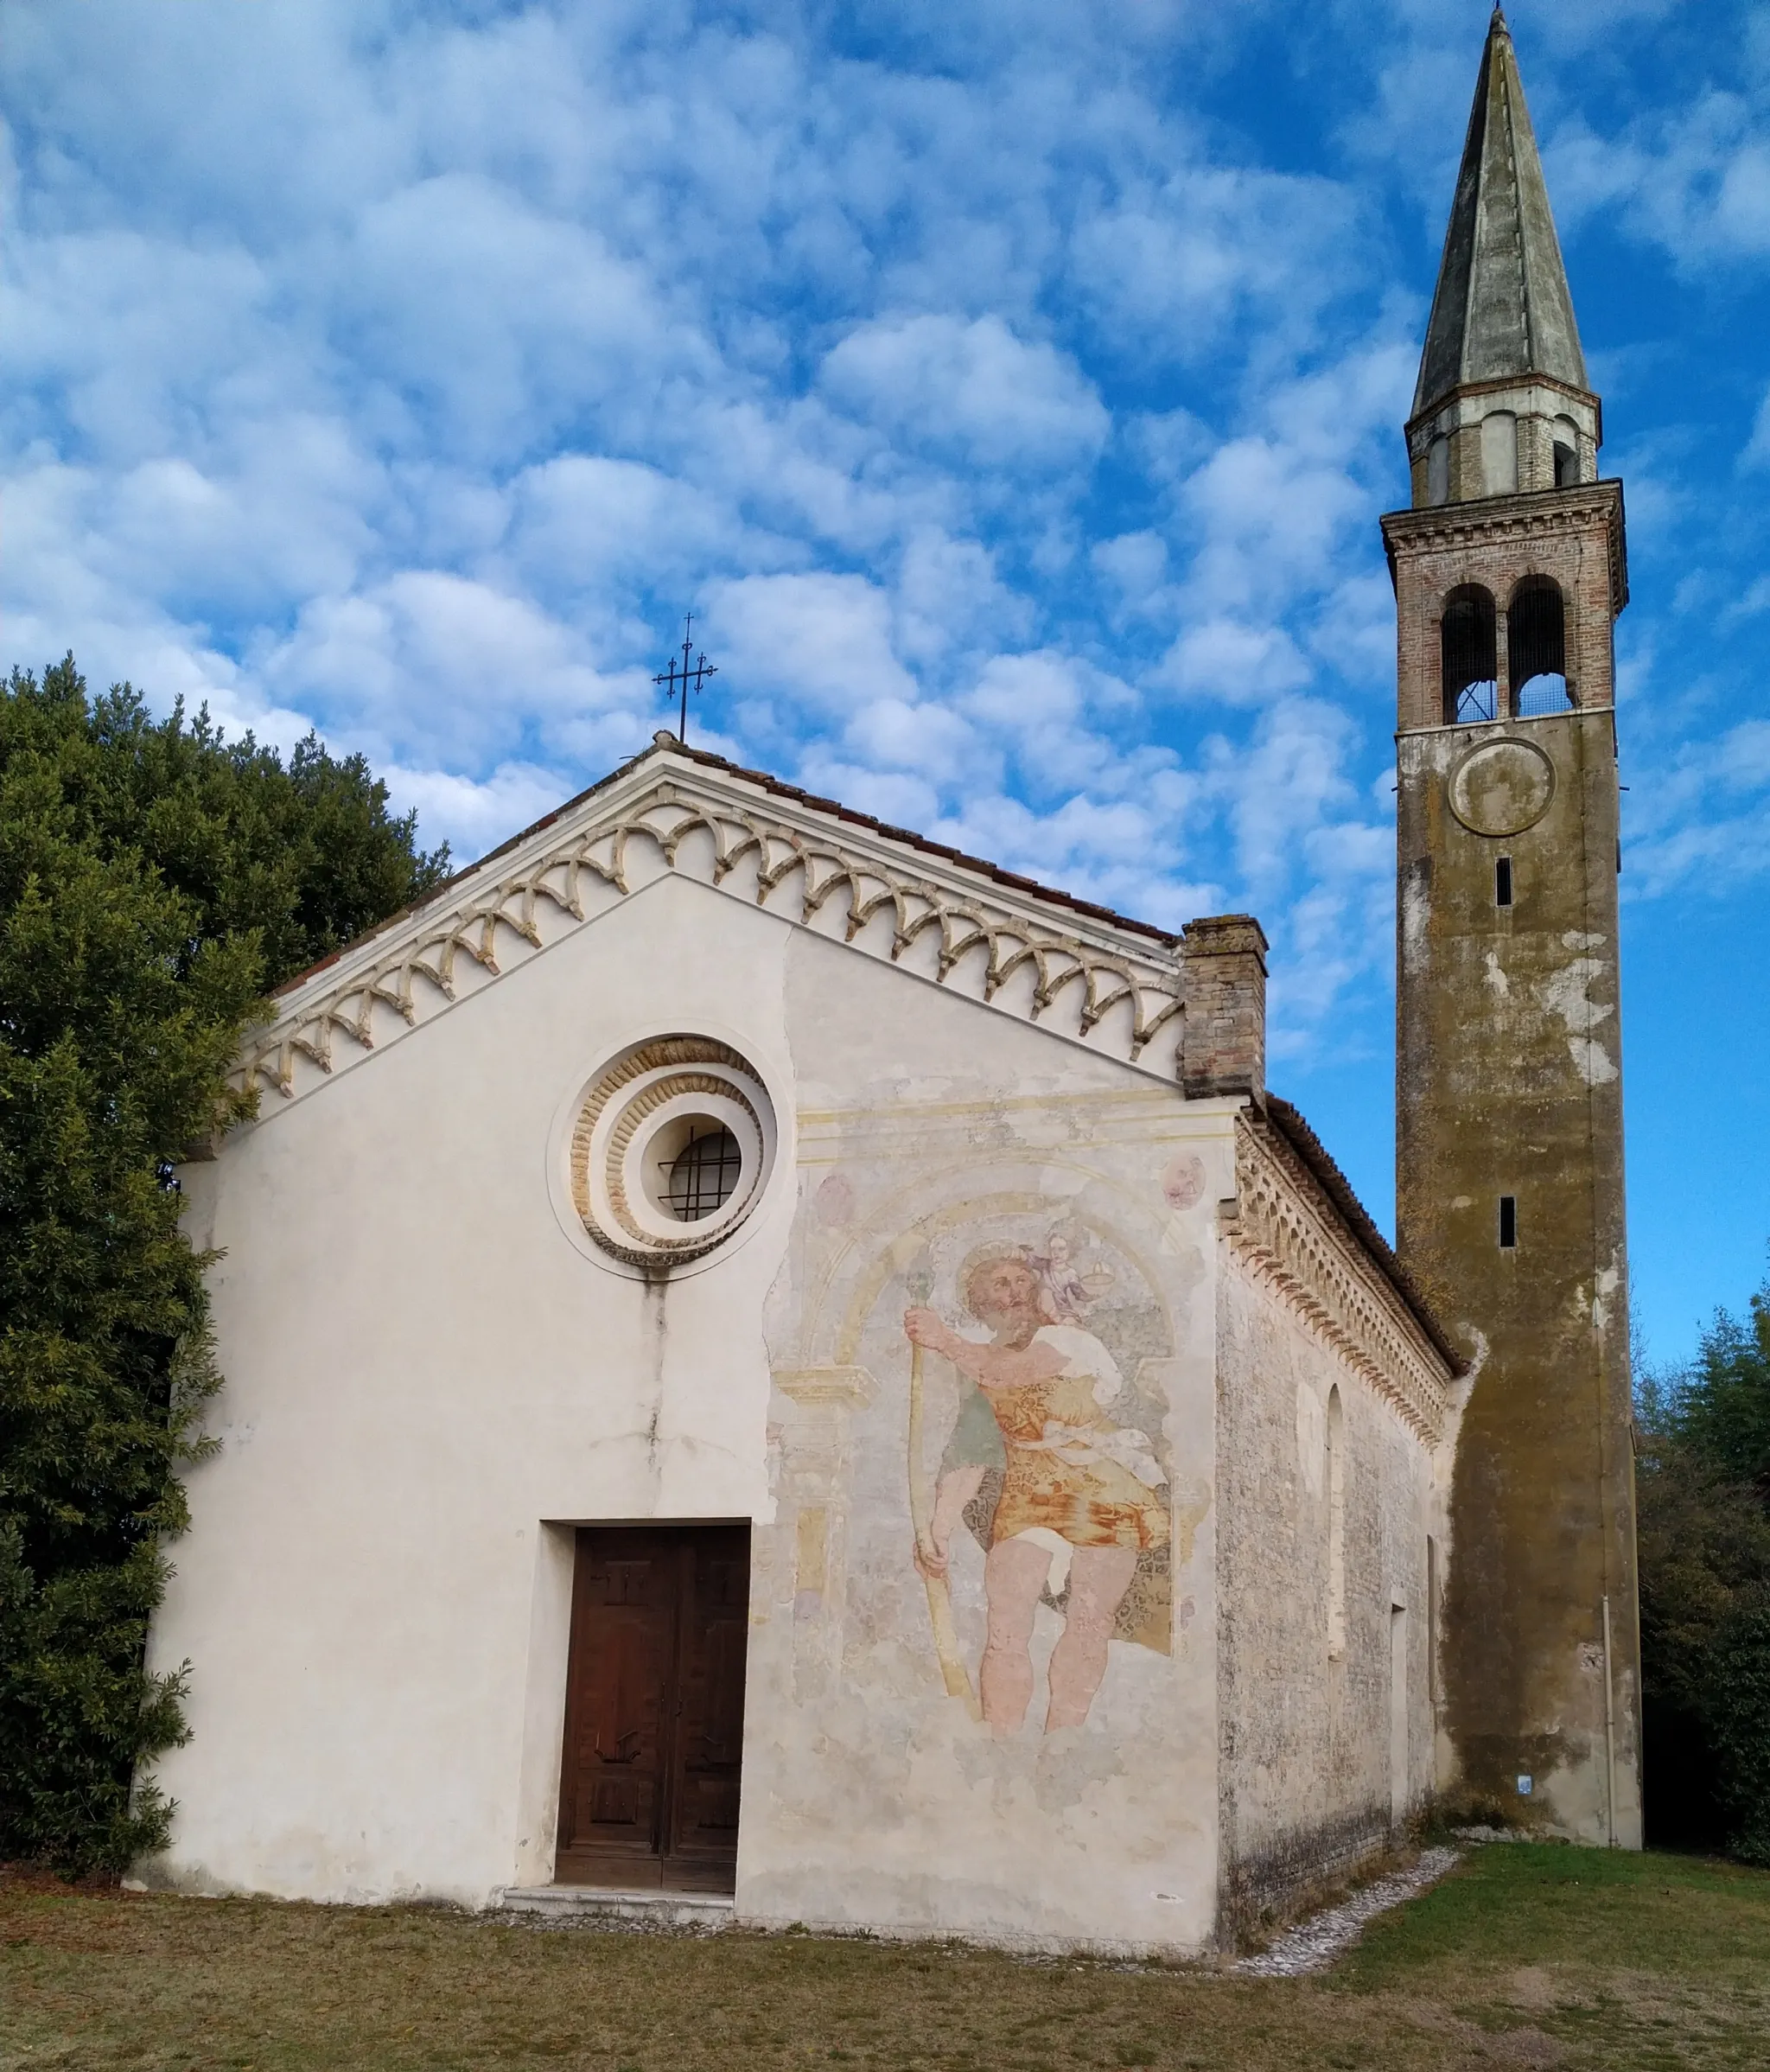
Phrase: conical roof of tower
pixel 1502 308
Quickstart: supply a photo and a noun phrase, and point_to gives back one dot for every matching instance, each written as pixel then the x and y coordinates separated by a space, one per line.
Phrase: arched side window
pixel 1499 453
pixel 1336 1527
pixel 1438 472
pixel 1535 648
pixel 1470 656
pixel 1566 436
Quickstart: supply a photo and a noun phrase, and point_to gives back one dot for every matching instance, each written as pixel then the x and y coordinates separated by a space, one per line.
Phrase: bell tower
pixel 1509 571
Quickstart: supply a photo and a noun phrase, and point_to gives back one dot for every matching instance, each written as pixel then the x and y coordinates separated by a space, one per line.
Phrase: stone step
pixel 704 1911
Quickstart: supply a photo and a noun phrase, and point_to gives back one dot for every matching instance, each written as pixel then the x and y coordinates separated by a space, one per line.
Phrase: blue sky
pixel 1012 389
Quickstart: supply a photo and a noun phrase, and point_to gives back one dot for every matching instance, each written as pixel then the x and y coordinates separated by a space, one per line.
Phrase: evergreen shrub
pixel 156 879
pixel 1702 1490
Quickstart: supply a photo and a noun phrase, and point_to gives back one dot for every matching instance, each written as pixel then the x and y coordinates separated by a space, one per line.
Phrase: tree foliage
pixel 154 879
pixel 1702 1490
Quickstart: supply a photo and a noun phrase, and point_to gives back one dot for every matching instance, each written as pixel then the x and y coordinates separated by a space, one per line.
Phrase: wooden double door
pixel 654 1708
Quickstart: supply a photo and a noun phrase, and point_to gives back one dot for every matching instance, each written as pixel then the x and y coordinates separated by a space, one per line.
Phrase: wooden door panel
pixel 649 1793
pixel 714 1644
pixel 617 1751
pixel 620 1752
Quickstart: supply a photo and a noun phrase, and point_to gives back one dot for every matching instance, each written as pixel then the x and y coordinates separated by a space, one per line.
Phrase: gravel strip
pixel 1314 1944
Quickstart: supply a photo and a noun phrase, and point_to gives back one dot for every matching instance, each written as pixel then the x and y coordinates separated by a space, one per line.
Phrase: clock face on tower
pixel 1501 788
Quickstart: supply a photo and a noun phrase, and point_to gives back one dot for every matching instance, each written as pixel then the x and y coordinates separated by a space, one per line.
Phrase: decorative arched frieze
pixel 1113 986
pixel 1289 1241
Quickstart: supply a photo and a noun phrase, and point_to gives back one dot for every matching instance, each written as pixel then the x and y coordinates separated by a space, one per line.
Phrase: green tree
pixel 1723 1410
pixel 1703 1486
pixel 155 880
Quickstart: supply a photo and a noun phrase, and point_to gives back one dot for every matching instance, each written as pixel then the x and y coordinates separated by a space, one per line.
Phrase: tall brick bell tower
pixel 1509 572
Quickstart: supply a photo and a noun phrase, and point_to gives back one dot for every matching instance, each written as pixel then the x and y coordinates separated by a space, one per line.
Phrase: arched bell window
pixel 1536 648
pixel 1470 656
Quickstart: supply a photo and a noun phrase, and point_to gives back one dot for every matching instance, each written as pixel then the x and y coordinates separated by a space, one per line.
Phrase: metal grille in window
pixel 1470 654
pixel 1536 646
pixel 703 1174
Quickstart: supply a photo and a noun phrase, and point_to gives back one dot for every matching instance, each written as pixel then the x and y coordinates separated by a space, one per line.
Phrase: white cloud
pixel 821 640
pixel 974 387
pixel 1705 818
pixel 896 735
pixel 1135 564
pixel 428 659
pixel 950 595
pixel 474 816
pixel 1011 402
pixel 1033 691
pixel 1173 264
pixel 1693 180
pixel 1238 663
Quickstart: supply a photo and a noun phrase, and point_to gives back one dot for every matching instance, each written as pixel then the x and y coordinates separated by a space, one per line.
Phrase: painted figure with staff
pixel 1082 1496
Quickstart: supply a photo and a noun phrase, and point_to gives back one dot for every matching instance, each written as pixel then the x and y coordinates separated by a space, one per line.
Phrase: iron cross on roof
pixel 680 677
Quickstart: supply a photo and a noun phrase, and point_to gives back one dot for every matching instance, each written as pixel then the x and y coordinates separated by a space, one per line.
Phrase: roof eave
pixel 1296 1132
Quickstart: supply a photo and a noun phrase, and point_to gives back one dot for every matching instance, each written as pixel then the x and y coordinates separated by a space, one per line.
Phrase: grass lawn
pixel 1524 1956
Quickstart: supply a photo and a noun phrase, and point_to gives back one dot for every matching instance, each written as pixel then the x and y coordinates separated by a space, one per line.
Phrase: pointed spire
pixel 1502 308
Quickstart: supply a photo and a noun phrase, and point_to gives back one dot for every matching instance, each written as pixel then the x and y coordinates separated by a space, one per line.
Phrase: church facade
pixel 777 1369
pixel 841 1389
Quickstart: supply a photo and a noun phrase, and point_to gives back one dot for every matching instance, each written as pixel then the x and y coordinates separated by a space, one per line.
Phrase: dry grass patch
pixel 1524 1957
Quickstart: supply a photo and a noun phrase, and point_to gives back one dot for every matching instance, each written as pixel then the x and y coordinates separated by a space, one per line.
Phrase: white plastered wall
pixel 872 1796
pixel 422 1367
pixel 429 1381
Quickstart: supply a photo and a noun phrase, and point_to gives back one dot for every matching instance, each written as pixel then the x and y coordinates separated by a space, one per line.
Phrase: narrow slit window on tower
pixel 1535 648
pixel 1567 466
pixel 1508 1222
pixel 1470 652
pixel 1502 881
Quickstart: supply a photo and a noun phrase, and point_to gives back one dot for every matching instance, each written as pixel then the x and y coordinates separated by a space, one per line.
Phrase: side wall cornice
pixel 1288 1236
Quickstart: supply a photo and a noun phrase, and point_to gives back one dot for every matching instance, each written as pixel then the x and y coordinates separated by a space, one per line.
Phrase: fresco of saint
pixel 1083 1498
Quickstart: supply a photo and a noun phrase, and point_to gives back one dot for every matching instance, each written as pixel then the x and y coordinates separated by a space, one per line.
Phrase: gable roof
pixel 1078 969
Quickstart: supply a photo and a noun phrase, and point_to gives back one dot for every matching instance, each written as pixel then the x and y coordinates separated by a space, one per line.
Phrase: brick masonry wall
pixel 1223 1043
pixel 1572 535
pixel 1508 1084
pixel 1305 1784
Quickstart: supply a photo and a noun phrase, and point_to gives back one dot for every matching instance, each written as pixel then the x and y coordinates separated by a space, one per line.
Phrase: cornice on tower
pixel 1502 404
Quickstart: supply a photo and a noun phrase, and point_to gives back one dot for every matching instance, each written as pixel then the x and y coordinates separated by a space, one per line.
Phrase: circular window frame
pixel 606 1199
